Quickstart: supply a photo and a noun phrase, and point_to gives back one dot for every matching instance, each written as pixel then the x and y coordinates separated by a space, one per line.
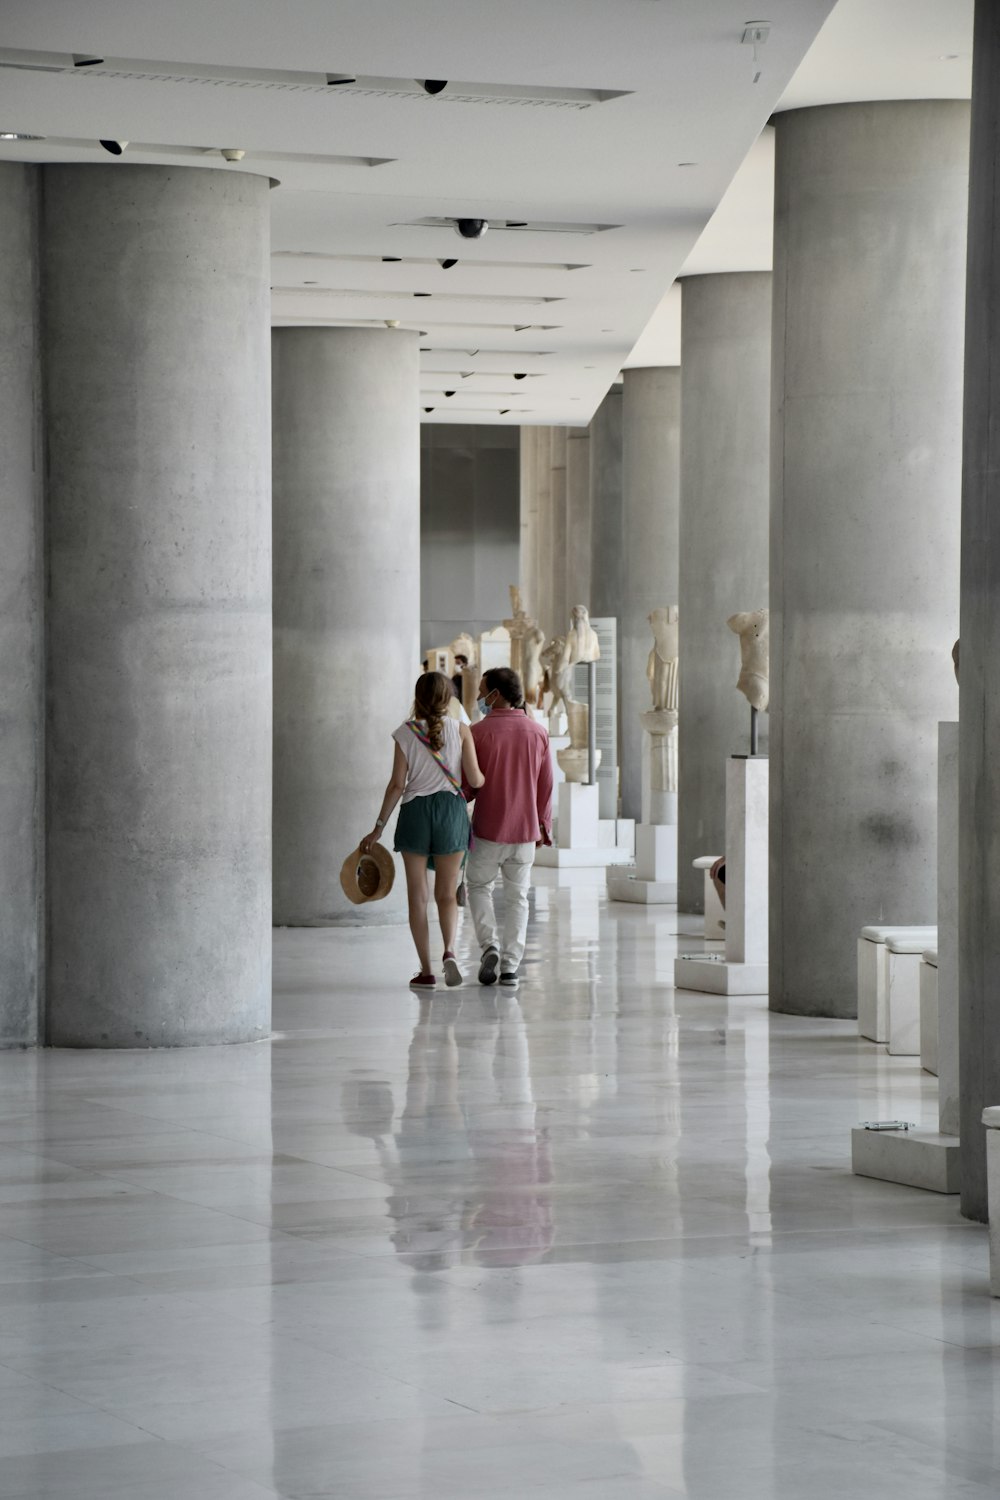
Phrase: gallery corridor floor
pixel 596 1240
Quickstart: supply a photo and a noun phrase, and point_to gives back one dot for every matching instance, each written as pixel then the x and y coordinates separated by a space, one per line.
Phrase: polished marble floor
pixel 597 1240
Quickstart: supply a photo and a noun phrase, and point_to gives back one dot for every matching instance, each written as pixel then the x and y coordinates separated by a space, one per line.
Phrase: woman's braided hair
pixel 431 698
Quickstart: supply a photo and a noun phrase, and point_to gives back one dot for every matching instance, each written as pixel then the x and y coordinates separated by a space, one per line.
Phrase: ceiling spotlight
pixel 422 294
pixel 504 410
pixel 433 85
pixel 391 259
pixel 517 224
pixel 446 265
pixel 428 408
pixel 448 393
pixel 392 322
pixel 84 60
pixel 334 78
pixel 231 153
pixel 471 229
pixel 522 376
pixel 114 148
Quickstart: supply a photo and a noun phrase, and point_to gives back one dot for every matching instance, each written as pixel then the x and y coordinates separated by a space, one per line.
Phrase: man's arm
pixel 543 793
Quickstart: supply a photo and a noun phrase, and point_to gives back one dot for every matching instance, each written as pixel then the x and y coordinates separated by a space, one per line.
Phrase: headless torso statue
pixel 581 645
pixel 661 719
pixel 753 629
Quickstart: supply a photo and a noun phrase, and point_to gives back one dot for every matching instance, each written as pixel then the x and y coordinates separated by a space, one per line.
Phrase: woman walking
pixel 432 751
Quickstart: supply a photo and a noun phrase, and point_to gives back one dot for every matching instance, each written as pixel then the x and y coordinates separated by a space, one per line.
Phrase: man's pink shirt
pixel 514 756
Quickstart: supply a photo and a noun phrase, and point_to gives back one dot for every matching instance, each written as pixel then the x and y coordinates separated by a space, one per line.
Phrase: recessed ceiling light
pixel 391 259
pixel 19 135
pixel 687 163
pixel 950 56
pixel 637 268
pixel 590 367
pixel 421 294
pixel 607 330
pixel 310 283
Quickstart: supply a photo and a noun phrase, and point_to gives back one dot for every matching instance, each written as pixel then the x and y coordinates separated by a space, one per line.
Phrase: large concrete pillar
pixel 979 728
pixel 543 495
pixel 156 314
pixel 651 420
pixel 869 272
pixel 606 536
pixel 528 573
pixel 557 557
pixel 21 625
pixel 577 515
pixel 346 602
pixel 725 506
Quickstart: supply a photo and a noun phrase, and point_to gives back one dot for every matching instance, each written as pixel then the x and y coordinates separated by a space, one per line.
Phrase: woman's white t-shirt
pixel 424 776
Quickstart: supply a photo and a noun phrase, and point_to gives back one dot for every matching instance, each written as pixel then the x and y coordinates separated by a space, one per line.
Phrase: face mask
pixel 484 706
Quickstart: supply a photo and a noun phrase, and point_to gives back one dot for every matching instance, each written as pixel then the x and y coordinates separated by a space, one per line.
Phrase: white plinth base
pixel 584 838
pixel 556 858
pixel 715 917
pixel 653 881
pixel 624 886
pixel 914 1158
pixel 929 1014
pixel 716 976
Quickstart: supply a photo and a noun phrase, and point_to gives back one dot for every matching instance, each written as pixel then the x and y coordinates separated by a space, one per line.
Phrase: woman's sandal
pixel 423 982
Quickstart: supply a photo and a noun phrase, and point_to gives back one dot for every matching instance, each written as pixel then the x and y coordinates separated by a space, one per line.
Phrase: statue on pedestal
pixel 753 629
pixel 526 642
pixel 581 645
pixel 661 720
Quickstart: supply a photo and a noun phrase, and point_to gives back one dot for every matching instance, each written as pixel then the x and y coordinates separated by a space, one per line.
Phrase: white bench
pixel 715 922
pixel 929 1011
pixel 873 975
pixel 904 957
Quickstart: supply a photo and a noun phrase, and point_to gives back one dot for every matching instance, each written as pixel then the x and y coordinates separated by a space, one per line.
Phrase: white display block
pixel 653 882
pixel 904 999
pixel 947 942
pixel 991 1119
pixel 929 1013
pixel 744 969
pixel 873 974
pixel 915 1158
pixel 715 916
pixel 494 649
pixel 584 838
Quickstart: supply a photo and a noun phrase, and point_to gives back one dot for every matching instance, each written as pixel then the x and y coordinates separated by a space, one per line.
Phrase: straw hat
pixel 368 877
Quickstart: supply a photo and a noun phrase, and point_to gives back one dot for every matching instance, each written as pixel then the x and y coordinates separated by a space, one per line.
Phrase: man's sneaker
pixel 509 979
pixel 488 966
pixel 423 982
pixel 452 973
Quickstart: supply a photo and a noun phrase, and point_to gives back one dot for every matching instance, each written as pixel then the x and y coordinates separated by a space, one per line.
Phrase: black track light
pixel 333 79
pixel 114 148
pixel 446 265
pixel 504 410
pixel 433 85
pixel 391 259
pixel 84 60
pixel 428 408
pixel 422 294
pixel 449 393
pixel 523 375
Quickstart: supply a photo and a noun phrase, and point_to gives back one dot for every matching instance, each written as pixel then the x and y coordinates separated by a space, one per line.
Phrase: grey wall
pixel 469 528
pixel 21 643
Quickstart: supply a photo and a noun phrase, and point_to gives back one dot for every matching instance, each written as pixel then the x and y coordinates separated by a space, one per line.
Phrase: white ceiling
pixel 689 98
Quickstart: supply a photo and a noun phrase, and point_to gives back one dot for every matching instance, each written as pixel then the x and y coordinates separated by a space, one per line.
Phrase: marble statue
pixel 661 669
pixel 581 641
pixel 467 670
pixel 581 645
pixel 526 642
pixel 551 658
pixel 752 627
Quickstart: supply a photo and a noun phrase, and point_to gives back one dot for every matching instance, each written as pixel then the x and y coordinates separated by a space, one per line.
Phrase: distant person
pixel 513 814
pixel 458 681
pixel 433 752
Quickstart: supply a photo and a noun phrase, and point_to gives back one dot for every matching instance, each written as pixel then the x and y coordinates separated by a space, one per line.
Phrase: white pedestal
pixel 715 916
pixel 929 1013
pixel 919 1158
pixel 873 975
pixel 991 1119
pixel 743 970
pixel 584 838
pixel 904 1000
pixel 915 1158
pixel 653 882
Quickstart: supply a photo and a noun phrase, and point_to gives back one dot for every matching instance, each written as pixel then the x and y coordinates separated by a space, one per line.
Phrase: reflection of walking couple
pixel 466 1166
pixel 502 763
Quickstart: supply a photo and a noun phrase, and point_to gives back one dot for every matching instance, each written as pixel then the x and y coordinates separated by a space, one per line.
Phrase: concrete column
pixel 557 557
pixel 527 576
pixel 155 314
pixel 21 625
pixel 577 515
pixel 606 536
pixel 346 602
pixel 869 257
pixel 979 721
pixel 543 470
pixel 651 421
pixel 725 509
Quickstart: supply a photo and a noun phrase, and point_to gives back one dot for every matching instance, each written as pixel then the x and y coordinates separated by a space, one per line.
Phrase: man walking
pixel 513 813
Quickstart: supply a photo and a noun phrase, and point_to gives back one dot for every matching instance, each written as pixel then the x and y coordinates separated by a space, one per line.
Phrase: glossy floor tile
pixel 595 1240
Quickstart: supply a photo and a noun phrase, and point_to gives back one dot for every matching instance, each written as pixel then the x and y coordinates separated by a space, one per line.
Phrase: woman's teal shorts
pixel 438 824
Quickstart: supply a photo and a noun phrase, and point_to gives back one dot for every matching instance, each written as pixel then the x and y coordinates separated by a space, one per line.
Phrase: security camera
pixel 231 154
pixel 471 229
pixel 433 85
pixel 114 148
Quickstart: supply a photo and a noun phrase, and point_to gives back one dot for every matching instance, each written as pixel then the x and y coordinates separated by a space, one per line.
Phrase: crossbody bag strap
pixel 438 758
